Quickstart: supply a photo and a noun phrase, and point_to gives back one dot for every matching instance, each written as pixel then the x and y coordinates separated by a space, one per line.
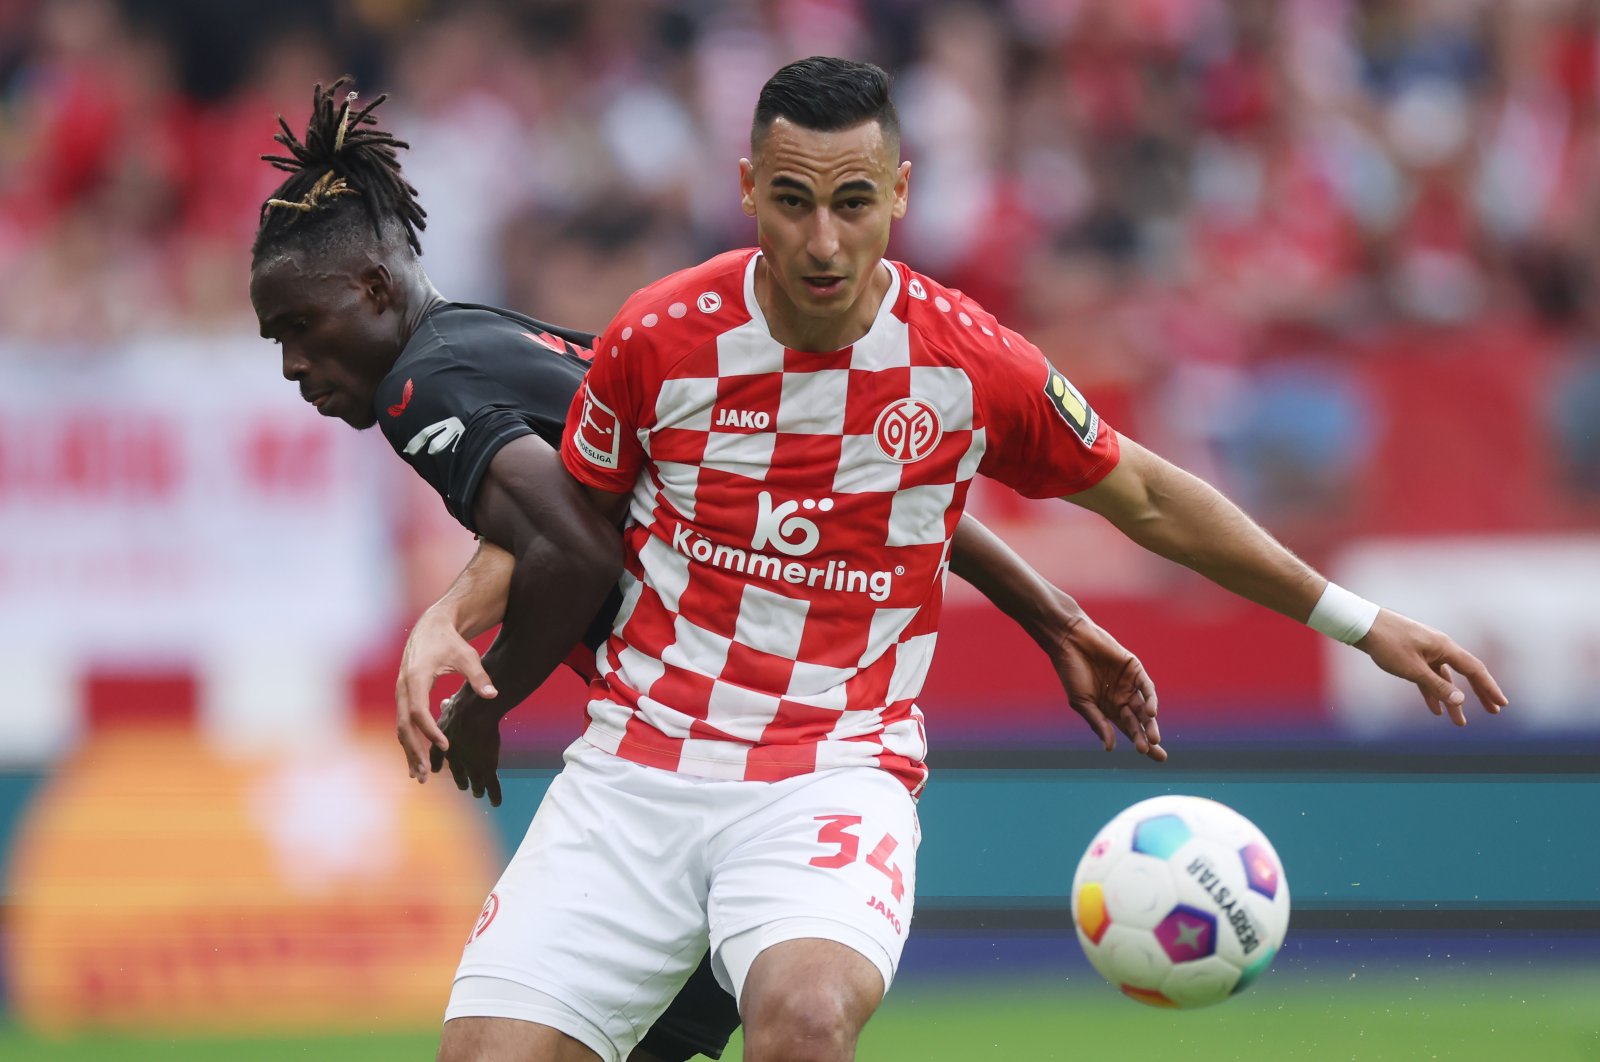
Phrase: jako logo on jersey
pixel 405 400
pixel 596 436
pixel 908 430
pixel 743 418
pixel 441 435
pixel 788 533
pixel 709 302
pixel 491 907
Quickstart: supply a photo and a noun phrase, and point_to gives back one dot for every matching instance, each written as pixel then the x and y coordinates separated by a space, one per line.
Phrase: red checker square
pixel 796 459
pixel 757 670
pixel 678 444
pixel 801 722
pixel 753 394
pixel 686 691
pixel 869 392
pixel 774 763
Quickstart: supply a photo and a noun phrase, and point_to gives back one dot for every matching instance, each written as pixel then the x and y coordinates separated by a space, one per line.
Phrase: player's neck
pixel 821 335
pixel 421 299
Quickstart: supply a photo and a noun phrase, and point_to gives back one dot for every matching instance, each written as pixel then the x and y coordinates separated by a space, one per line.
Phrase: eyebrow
pixel 861 184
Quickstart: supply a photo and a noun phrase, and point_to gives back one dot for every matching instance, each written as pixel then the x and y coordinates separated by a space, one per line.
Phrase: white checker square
pixel 888 344
pixel 911 661
pixel 686 403
pixel 632 590
pixel 667 718
pixel 813 403
pixel 770 623
pixel 696 649
pixel 916 516
pixel 638 670
pixel 856 724
pixel 968 465
pixel 819 685
pixel 863 467
pixel 748 351
pixel 947 389
pixel 678 483
pixel 906 738
pixel 742 455
pixel 743 712
pixel 667 571
pixel 885 629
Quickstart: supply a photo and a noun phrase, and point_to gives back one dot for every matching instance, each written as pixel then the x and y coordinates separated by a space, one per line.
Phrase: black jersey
pixel 472 379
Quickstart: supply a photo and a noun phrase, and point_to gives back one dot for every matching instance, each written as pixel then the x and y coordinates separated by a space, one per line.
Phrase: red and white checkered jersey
pixel 791 515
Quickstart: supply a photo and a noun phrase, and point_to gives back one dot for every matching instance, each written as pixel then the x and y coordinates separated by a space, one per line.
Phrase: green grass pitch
pixel 1549 1016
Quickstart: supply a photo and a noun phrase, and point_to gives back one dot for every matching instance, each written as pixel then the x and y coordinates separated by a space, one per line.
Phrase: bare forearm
pixel 476 601
pixel 1183 518
pixel 983 559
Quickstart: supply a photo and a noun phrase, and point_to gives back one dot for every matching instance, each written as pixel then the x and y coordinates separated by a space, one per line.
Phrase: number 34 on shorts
pixel 841 835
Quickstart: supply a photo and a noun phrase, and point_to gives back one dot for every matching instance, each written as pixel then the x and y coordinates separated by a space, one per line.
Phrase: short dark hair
pixel 825 93
pixel 344 183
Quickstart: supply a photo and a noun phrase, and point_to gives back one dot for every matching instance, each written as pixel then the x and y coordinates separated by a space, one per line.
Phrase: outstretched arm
pixel 1104 683
pixel 1185 519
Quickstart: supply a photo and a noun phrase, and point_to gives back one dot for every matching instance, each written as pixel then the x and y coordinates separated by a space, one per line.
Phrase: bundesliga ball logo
pixel 908 430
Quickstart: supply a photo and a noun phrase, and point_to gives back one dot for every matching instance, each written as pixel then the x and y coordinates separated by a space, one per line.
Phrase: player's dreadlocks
pixel 341 163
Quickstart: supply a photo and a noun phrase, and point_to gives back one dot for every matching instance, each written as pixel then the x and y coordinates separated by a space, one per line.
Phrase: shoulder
pixel 950 328
pixel 679 314
pixel 943 318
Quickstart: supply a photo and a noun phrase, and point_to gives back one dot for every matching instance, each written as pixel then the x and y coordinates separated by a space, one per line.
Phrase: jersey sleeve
pixel 600 445
pixel 447 420
pixel 1043 439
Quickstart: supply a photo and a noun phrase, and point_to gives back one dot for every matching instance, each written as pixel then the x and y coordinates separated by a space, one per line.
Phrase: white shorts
pixel 628 873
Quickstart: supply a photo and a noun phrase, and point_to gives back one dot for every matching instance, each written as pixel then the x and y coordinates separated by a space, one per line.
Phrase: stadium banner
pixel 181 506
pixel 319 892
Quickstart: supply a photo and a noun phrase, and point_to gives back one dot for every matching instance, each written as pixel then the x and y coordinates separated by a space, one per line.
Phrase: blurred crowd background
pixel 1338 256
pixel 1194 205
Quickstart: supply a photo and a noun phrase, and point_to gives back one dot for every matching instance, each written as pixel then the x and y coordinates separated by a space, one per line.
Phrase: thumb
pixel 471 667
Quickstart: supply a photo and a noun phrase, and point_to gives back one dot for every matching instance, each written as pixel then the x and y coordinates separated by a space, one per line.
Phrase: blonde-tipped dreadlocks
pixel 345 159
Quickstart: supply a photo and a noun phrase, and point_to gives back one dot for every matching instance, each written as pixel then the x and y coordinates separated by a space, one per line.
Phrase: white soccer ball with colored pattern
pixel 1180 902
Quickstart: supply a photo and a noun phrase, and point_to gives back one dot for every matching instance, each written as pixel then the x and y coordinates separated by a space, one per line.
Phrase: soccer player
pixel 791 432
pixel 475 399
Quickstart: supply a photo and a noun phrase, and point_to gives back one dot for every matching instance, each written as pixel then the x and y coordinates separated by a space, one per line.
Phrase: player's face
pixel 823 203
pixel 337 329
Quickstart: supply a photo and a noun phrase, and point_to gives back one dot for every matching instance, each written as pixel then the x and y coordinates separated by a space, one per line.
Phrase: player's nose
pixel 822 241
pixel 294 364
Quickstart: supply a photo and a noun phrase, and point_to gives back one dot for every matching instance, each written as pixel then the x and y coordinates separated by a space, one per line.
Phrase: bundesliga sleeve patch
pixel 596 436
pixel 1074 409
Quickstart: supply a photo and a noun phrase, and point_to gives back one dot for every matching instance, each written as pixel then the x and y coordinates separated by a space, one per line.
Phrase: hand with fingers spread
pixel 434 648
pixel 471 730
pixel 1418 653
pixel 1108 687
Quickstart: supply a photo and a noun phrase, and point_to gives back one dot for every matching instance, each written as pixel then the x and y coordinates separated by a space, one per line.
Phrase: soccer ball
pixel 1180 902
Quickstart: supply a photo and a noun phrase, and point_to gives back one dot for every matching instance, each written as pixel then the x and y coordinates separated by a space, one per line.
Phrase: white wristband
pixel 1342 615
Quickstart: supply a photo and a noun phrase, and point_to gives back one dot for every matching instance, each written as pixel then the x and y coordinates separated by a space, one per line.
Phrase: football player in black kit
pixel 474 399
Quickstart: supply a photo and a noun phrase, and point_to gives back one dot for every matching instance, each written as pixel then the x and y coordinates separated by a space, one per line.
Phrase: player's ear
pixel 377 286
pixel 902 190
pixel 747 187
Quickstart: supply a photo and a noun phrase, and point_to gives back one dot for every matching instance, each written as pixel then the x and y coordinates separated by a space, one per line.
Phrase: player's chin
pixel 360 418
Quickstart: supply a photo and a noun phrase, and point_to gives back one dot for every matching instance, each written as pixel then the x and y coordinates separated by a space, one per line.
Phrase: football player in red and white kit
pixel 475 399
pixel 791 432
